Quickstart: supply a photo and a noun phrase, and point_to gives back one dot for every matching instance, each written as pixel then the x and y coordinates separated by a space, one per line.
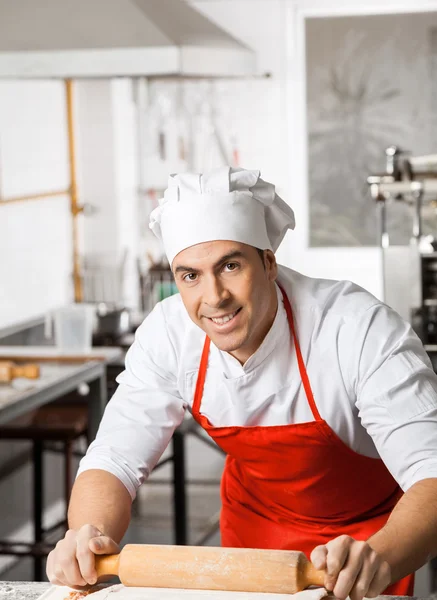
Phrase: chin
pixel 225 344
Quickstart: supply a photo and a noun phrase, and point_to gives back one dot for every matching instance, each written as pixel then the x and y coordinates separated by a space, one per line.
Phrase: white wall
pixel 363 265
pixel 275 141
pixel 96 174
pixel 35 238
pixel 275 29
pixel 107 176
pixel 126 158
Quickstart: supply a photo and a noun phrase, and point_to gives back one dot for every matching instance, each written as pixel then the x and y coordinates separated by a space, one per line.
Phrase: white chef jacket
pixel 372 382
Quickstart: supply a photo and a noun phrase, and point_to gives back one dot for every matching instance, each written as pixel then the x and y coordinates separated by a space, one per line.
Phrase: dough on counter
pixel 119 592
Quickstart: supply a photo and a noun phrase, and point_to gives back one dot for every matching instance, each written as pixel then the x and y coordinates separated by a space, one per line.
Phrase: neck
pixel 243 353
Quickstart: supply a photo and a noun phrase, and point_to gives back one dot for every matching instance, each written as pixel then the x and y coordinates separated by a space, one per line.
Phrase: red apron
pixel 293 487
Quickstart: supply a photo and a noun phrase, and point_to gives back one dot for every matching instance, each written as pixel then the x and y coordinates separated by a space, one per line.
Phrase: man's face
pixel 229 292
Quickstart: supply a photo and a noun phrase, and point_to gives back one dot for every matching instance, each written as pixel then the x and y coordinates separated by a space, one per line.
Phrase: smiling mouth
pixel 225 318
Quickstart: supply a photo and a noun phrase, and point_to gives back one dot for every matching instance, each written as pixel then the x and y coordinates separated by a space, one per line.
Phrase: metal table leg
pixel 179 493
pixel 433 575
pixel 38 503
pixel 98 399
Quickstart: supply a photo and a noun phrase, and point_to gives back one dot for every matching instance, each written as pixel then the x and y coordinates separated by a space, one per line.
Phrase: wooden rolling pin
pixel 206 568
pixel 9 371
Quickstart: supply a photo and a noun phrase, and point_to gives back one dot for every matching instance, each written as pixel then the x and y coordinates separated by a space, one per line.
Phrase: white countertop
pixel 32 591
pixel 105 353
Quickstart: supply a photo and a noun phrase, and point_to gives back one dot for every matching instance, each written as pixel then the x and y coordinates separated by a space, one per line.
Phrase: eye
pixel 189 277
pixel 231 266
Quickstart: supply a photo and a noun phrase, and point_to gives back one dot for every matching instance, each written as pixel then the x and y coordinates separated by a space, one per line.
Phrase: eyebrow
pixel 223 259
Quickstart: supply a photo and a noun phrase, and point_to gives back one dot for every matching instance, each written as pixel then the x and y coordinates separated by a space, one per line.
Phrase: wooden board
pixel 120 592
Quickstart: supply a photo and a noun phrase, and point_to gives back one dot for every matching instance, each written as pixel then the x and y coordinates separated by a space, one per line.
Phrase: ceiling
pixel 107 38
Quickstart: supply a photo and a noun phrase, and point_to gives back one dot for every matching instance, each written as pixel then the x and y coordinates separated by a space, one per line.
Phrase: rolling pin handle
pixel 107 564
pixel 311 576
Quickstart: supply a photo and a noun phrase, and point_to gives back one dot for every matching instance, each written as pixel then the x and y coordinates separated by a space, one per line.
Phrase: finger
pixel 103 545
pixel 348 575
pixel 58 575
pixel 100 546
pixel 66 559
pixel 50 569
pixel 55 581
pixel 85 561
pixel 49 564
pixel 365 577
pixel 55 572
pixel 71 570
pixel 338 553
pixel 318 557
pixel 84 554
pixel 380 581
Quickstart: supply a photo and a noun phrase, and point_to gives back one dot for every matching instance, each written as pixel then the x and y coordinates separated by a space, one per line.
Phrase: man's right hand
pixel 72 562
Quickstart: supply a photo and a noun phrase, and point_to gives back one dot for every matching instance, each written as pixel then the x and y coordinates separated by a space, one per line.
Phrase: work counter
pixel 56 380
pixel 21 590
pixel 24 590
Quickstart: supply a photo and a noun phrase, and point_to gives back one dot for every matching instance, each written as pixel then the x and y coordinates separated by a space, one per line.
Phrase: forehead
pixel 208 253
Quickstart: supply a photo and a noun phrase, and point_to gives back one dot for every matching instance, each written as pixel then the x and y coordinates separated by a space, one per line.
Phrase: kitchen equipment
pixel 103 277
pixel 111 322
pixel 156 284
pixel 208 568
pixel 10 371
pixel 408 179
pixel 61 424
pixel 73 328
pixel 409 270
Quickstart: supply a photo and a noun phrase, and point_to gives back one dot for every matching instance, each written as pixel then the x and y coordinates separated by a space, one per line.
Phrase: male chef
pixel 321 396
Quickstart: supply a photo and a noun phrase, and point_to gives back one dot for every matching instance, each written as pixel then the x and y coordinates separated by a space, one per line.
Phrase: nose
pixel 215 293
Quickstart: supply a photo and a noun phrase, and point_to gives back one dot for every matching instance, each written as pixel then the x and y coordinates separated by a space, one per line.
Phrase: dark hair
pixel 261 255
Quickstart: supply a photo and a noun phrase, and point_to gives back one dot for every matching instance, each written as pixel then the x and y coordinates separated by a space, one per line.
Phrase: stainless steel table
pixel 57 379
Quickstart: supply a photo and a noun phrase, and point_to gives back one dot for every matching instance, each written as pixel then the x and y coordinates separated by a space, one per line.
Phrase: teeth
pixel 225 319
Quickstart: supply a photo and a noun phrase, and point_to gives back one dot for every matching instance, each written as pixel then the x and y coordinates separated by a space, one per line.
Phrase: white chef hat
pixel 225 204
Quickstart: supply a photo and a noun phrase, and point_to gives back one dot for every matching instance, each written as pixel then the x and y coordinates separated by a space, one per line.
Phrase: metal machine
pixel 409 271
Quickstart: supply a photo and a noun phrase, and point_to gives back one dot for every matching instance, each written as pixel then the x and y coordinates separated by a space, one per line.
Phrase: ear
pixel 271 265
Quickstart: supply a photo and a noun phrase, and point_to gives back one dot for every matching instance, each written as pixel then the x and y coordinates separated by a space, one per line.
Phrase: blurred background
pixel 100 100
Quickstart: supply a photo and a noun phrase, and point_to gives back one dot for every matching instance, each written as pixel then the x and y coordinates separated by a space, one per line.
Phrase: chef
pixel 321 396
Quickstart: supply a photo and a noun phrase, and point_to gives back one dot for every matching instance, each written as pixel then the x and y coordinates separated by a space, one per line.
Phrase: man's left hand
pixel 353 568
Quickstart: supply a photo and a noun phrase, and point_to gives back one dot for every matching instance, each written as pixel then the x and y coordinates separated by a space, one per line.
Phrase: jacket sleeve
pixel 146 408
pixel 396 394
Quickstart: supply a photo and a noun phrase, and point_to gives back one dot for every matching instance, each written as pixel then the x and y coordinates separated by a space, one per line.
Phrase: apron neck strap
pixel 300 361
pixel 200 383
